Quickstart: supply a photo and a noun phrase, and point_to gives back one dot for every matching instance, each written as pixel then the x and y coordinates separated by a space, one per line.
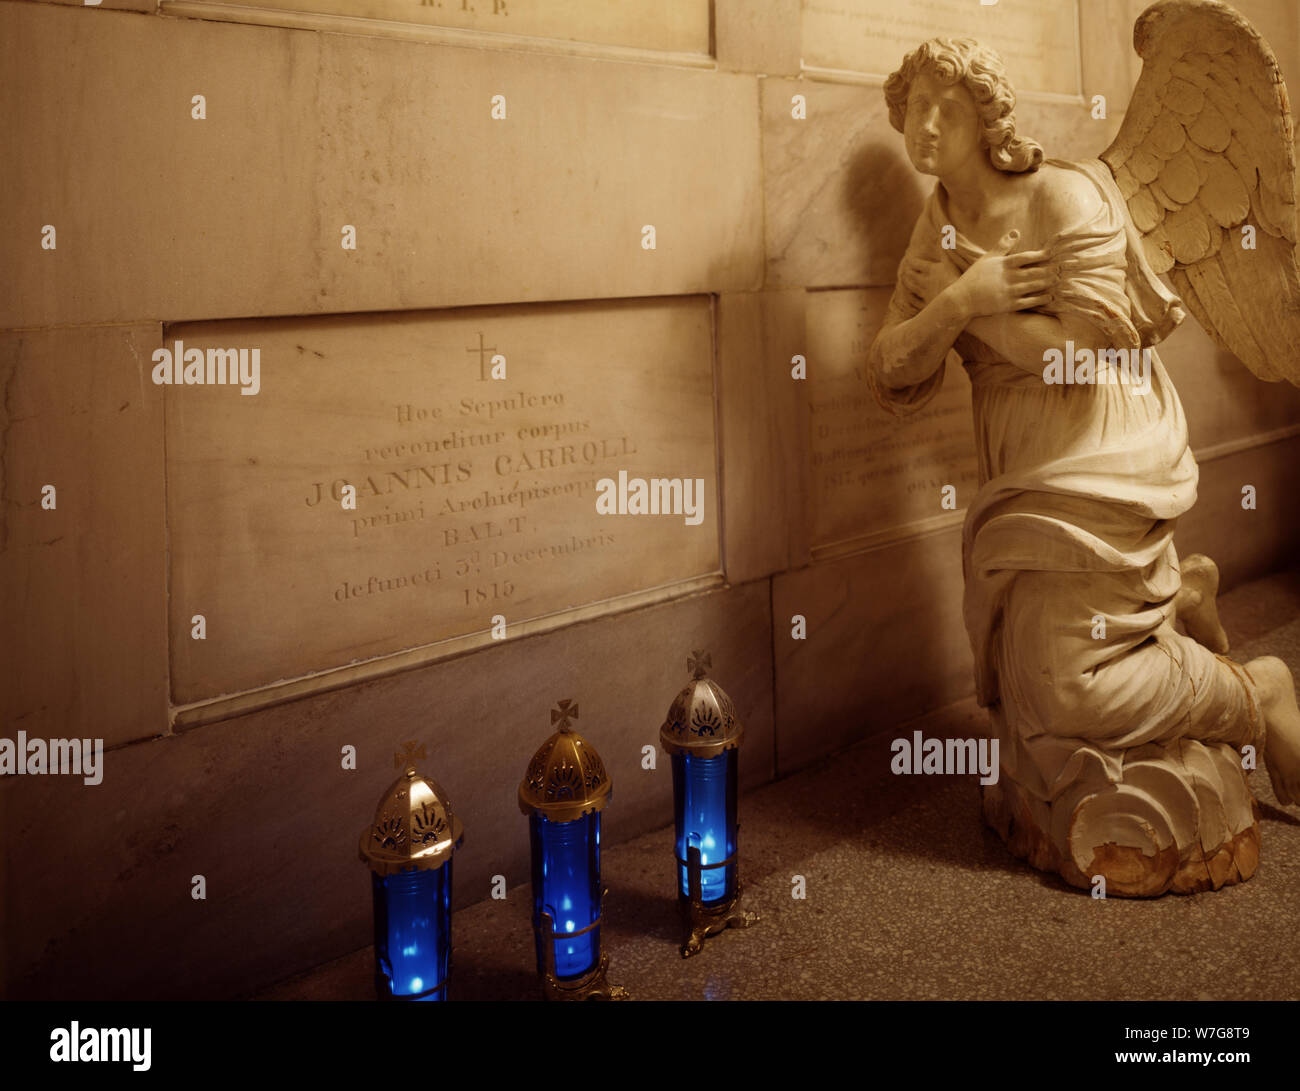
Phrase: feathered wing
pixel 1206 149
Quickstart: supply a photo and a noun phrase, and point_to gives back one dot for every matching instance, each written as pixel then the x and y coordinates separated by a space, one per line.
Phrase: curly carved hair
pixel 981 71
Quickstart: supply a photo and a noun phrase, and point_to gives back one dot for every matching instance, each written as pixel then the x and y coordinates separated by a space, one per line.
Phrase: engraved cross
pixel 484 355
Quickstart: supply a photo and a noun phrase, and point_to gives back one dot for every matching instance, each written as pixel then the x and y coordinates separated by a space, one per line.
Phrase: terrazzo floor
pixel 910 896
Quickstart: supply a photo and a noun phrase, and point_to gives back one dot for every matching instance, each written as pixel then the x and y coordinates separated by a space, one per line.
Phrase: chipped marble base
pixel 1134 871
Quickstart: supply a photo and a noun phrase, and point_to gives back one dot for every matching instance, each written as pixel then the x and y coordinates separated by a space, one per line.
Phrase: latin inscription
pixel 679 26
pixel 1038 41
pixel 381 494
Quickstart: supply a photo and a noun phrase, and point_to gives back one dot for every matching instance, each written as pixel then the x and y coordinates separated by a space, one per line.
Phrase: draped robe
pixel 1071 572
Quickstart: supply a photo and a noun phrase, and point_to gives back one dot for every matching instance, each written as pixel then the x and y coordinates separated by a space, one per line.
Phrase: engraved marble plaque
pixel 474 496
pixel 674 26
pixel 1037 39
pixel 871 473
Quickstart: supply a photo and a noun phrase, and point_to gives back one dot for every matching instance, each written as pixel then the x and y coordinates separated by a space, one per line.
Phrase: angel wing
pixel 1205 153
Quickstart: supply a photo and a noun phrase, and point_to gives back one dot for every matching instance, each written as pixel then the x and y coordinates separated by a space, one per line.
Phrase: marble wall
pixel 497 181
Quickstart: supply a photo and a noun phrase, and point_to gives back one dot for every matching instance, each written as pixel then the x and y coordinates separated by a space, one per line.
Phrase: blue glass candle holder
pixel 563 792
pixel 409 848
pixel 702 735
pixel 566 894
pixel 704 794
pixel 413 934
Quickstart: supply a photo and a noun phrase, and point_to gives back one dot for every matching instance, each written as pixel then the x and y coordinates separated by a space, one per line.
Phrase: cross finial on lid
pixel 563 712
pixel 699 663
pixel 409 752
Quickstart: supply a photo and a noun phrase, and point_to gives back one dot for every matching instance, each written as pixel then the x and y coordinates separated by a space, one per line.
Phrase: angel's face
pixel 942 129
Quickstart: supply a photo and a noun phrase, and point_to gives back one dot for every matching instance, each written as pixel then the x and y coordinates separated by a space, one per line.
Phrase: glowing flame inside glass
pixel 704 791
pixel 413 932
pixel 566 873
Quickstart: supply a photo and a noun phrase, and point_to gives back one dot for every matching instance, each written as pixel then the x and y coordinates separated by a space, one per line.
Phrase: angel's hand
pixel 924 278
pixel 1000 283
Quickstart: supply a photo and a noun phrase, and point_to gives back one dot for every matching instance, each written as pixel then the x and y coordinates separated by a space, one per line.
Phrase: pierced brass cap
pixel 566 777
pixel 702 721
pixel 414 827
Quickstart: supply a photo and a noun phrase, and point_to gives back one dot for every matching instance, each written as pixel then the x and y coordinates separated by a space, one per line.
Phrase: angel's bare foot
pixel 1195 605
pixel 1282 723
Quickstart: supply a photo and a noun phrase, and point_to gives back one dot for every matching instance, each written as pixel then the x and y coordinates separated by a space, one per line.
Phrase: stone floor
pixel 910 897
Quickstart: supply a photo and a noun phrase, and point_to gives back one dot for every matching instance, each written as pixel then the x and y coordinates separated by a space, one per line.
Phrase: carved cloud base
pixel 1147 859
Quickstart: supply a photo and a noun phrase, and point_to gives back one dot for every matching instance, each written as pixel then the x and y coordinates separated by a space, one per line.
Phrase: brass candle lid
pixel 566 778
pixel 414 827
pixel 702 721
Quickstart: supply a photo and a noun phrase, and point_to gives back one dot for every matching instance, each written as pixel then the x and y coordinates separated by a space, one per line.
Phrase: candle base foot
pixel 592 986
pixel 700 921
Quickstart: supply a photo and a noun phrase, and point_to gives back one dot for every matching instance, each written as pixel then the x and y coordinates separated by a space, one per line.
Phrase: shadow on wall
pixel 879 614
pixel 884 195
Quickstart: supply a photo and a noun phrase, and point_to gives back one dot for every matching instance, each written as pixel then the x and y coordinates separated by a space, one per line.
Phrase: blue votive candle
pixel 704 790
pixel 566 884
pixel 413 932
